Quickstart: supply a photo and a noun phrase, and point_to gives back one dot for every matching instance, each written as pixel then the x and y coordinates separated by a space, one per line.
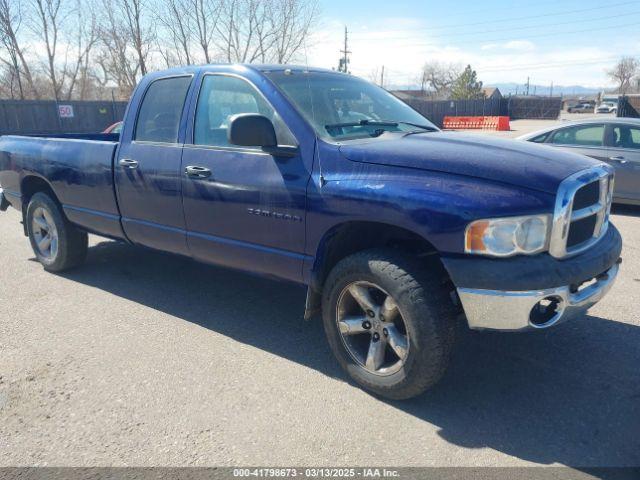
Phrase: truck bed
pixel 78 166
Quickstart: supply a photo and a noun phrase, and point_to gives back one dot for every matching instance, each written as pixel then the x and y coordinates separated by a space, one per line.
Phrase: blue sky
pixel 568 42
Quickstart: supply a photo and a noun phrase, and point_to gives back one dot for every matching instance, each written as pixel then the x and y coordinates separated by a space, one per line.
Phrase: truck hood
pixel 522 164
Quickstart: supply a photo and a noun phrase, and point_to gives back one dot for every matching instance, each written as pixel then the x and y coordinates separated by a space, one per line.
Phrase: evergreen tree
pixel 467 86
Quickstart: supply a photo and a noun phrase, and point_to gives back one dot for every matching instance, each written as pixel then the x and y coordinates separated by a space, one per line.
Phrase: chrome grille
pixel 581 215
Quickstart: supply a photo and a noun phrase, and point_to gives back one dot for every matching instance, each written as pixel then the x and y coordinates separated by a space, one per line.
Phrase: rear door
pixel 245 208
pixel 147 169
pixel 587 139
pixel 624 156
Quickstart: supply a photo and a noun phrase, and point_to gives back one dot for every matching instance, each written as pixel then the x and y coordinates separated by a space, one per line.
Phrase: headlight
pixel 503 237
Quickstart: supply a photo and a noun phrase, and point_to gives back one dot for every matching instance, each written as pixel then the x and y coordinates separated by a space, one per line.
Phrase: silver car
pixel 615 141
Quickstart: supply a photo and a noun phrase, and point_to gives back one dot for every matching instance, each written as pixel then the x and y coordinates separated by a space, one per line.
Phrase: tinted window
pixel 222 97
pixel 540 138
pixel 626 137
pixel 159 116
pixel 584 135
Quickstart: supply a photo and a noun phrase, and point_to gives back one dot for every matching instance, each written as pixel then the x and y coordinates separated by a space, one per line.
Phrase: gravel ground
pixel 140 358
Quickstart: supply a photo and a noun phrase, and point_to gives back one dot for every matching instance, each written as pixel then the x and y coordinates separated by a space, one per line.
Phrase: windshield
pixel 341 107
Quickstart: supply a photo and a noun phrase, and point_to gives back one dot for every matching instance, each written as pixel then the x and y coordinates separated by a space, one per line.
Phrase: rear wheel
pixel 57 244
pixel 389 322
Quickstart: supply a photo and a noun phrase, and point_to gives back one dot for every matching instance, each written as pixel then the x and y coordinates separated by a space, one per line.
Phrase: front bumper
pixel 507 310
pixel 500 294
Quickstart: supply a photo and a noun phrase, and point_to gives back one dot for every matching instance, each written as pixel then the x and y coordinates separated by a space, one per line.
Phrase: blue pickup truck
pixel 398 230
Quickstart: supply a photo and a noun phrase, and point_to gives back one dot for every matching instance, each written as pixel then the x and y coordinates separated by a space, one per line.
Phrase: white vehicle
pixel 607 107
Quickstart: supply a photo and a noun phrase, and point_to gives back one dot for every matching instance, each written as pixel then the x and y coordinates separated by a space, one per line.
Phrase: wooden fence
pixel 27 117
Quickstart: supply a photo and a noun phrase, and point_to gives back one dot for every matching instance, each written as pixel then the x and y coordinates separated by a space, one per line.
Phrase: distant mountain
pixel 513 88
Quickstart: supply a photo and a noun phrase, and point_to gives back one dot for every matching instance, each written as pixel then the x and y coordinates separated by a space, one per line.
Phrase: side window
pixel 159 115
pixel 582 135
pixel 220 98
pixel 626 137
pixel 540 138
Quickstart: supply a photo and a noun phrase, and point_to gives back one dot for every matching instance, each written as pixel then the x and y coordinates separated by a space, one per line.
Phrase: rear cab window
pixel 161 109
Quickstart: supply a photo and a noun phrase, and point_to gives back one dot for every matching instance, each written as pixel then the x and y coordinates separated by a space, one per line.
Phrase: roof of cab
pixel 262 68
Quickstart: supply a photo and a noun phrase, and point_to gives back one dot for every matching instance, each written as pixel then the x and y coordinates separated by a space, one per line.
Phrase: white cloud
pixel 523 45
pixel 403 45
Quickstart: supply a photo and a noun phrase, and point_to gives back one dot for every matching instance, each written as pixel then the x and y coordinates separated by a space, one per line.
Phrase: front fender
pixel 435 206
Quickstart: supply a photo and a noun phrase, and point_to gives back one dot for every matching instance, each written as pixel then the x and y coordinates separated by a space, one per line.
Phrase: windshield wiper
pixel 426 128
pixel 381 123
pixel 374 123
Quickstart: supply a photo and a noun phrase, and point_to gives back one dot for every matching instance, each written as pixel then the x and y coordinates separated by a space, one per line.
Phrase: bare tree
pixel 46 25
pixel 204 21
pixel 10 22
pixel 176 21
pixel 115 60
pixel 140 33
pixel 623 73
pixel 85 39
pixel 264 30
pixel 439 77
pixel 292 21
pixel 126 35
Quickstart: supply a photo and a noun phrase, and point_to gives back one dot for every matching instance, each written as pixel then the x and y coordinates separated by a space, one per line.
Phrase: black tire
pixel 72 243
pixel 417 287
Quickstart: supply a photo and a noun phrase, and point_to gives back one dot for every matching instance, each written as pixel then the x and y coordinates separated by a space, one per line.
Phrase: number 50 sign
pixel 65 111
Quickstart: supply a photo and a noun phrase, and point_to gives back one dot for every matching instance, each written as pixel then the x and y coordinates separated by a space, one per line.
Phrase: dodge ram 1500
pixel 316 177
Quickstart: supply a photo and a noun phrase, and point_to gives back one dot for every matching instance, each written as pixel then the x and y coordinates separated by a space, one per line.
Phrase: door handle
pixel 618 158
pixel 128 163
pixel 193 171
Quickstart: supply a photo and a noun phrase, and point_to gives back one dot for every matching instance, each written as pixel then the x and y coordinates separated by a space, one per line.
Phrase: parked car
pixel 607 107
pixel 615 141
pixel 581 108
pixel 114 128
pixel 397 229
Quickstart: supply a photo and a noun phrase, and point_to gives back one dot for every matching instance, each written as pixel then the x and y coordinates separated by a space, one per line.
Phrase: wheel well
pixel 32 185
pixel 349 238
pixel 28 188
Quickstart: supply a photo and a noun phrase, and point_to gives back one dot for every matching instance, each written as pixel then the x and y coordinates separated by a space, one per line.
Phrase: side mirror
pixel 251 130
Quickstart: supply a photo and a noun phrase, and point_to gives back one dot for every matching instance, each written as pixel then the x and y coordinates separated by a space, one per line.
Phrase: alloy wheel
pixel 372 328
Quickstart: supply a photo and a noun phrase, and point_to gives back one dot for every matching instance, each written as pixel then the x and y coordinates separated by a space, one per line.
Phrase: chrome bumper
pixel 505 310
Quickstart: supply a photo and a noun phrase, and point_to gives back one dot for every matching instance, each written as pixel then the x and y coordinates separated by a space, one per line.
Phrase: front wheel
pixel 57 244
pixel 390 321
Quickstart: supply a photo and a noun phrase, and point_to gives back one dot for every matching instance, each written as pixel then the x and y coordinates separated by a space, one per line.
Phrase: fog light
pixel 546 312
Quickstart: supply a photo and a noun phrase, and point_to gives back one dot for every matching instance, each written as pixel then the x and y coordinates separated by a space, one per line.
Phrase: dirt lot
pixel 140 358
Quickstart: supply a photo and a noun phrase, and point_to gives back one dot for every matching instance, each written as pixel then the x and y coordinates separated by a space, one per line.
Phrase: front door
pixel 243 207
pixel 624 156
pixel 147 170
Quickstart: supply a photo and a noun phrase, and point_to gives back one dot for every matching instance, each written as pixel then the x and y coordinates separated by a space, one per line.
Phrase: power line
pixel 526 17
pixel 507 39
pixel 525 27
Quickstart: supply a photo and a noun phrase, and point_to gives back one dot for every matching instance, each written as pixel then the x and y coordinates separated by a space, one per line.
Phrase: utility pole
pixel 551 89
pixel 382 77
pixel 343 66
pixel 527 86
